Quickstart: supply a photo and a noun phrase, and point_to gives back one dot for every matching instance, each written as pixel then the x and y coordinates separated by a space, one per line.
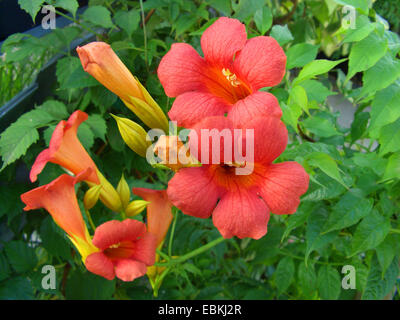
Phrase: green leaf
pixel 98 126
pixel 223 6
pixel 359 125
pixel 307 279
pixel 291 114
pixel 70 74
pixel 316 90
pixel 390 138
pixel 56 110
pixel 300 54
pixel 378 287
pixel 86 136
pixel 315 68
pixel 376 47
pixel 128 20
pixel 298 95
pixel 363 28
pixel 31 6
pixel 361 4
pixel 16 289
pixel 246 8
pixel 329 283
pixel 392 170
pixel 284 274
pixel 15 141
pixel 320 126
pixel 370 160
pixel 326 164
pixel 69 5
pixel 99 16
pixel 5 269
pixel 371 231
pixel 263 19
pixel 281 34
pixel 88 286
pixel 184 23
pixel 384 108
pixel 350 209
pixel 387 250
pixel 314 239
pixel 381 75
pixel 21 257
pixel 53 241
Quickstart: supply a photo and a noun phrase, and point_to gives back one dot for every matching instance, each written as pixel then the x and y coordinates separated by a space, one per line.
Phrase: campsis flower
pixel 59 199
pixel 227 80
pixel 99 60
pixel 66 150
pixel 159 215
pixel 126 250
pixel 240 204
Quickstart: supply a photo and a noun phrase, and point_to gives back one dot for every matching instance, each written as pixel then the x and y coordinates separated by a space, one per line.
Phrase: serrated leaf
pixel 31 6
pixel 69 5
pixel 307 279
pixel 315 68
pixel 300 54
pixel 263 19
pixel 99 16
pixel 128 20
pixel 371 231
pixel 321 127
pixel 284 274
pixel 329 283
pixel 363 28
pixel 18 288
pixel 70 74
pixel 387 250
pixel 246 8
pixel 350 209
pixel 53 242
pixel 392 170
pixel 98 126
pixel 316 90
pixel 390 138
pixel 21 257
pixel 281 34
pixel 88 286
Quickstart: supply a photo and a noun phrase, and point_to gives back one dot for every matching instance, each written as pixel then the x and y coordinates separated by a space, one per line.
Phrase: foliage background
pixel 350 214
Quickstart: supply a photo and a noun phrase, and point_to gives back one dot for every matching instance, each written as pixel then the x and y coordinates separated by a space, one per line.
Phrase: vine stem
pixel 171 237
pixel 191 254
pixel 144 34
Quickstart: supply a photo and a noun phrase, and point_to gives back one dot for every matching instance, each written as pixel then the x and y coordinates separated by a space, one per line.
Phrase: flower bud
pixel 133 135
pixel 92 196
pixel 135 207
pixel 124 192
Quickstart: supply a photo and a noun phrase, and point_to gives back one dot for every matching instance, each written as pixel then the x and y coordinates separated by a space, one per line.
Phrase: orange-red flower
pixel 240 204
pixel 59 199
pixel 126 249
pixel 227 79
pixel 159 214
pixel 66 150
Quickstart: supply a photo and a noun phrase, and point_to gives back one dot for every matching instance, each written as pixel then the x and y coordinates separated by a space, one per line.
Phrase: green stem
pixel 171 237
pixel 394 231
pixel 284 252
pixel 144 34
pixel 192 254
pixel 90 220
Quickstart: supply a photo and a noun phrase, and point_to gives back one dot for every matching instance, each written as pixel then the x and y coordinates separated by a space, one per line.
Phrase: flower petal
pixel 99 264
pixel 159 215
pixel 193 191
pixel 128 270
pixel 222 40
pixel 282 186
pixel 145 249
pixel 180 70
pixel 114 231
pixel 270 138
pixel 241 213
pixel 191 107
pixel 261 62
pixel 254 106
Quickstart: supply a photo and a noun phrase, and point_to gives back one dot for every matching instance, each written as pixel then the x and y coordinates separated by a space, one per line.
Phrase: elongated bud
pixel 173 153
pixel 102 63
pixel 133 135
pixel 108 195
pixel 124 192
pixel 135 207
pixel 92 196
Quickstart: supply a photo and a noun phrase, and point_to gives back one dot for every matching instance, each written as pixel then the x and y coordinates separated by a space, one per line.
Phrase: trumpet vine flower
pixel 100 61
pixel 227 80
pixel 126 249
pixel 59 199
pixel 240 205
pixel 66 150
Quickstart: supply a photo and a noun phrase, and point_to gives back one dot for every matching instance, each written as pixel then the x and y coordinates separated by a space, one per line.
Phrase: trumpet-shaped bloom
pixel 99 60
pixel 126 249
pixel 59 199
pixel 227 79
pixel 159 215
pixel 240 205
pixel 66 150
